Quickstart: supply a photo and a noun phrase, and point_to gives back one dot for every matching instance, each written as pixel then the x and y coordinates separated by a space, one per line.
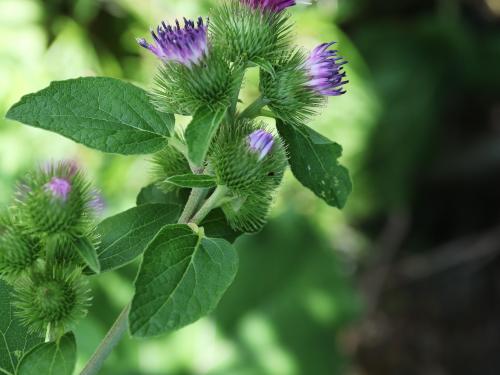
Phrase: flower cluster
pixel 40 246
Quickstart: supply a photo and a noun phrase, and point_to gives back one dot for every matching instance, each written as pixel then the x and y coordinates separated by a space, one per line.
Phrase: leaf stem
pixel 214 201
pixel 109 342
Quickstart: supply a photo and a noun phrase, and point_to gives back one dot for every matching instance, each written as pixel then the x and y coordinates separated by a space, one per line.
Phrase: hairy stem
pixel 194 201
pixel 109 342
pixel 215 200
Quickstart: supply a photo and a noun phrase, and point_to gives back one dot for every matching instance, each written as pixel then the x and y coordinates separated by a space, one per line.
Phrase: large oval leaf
pixel 314 162
pixel 50 358
pixel 125 236
pixel 182 277
pixel 102 113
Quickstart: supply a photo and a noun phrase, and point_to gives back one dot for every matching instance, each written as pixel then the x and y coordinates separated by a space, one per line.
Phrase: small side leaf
pixel 125 236
pixel 102 113
pixel 88 253
pixel 200 132
pixel 216 225
pixel 192 181
pixel 314 162
pixel 153 194
pixel 50 358
pixel 15 338
pixel 182 278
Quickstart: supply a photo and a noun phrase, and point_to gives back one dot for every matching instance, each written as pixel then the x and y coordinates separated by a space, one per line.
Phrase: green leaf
pixel 88 253
pixel 200 132
pixel 192 181
pixel 314 162
pixel 152 194
pixel 182 278
pixel 216 225
pixel 102 113
pixel 50 358
pixel 15 339
pixel 125 236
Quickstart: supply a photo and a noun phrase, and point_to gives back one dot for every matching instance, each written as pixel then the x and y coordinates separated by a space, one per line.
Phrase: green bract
pixel 248 34
pixel 167 163
pixel 18 250
pixel 287 91
pixel 182 89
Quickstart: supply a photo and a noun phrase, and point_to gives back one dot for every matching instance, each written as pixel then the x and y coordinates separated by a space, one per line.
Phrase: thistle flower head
pixel 260 142
pixel 59 188
pixel 59 297
pixel 273 5
pixel 187 45
pixel 325 70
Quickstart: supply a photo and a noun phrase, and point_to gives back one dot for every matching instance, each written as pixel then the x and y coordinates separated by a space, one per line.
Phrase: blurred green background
pixel 405 280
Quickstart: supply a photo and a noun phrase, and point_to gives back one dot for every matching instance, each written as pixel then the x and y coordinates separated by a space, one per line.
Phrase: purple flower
pixel 59 188
pixel 273 5
pixel 261 142
pixel 325 70
pixel 188 45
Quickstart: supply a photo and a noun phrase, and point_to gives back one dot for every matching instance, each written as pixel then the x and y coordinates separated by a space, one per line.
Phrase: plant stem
pixel 215 200
pixel 195 198
pixel 109 342
pixel 49 335
pixel 254 109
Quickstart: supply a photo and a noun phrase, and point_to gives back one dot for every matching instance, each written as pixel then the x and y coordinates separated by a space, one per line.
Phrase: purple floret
pixel 59 188
pixel 187 45
pixel 326 71
pixel 261 142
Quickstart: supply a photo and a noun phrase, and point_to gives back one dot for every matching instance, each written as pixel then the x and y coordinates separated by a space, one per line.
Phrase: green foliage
pixel 286 88
pixel 102 113
pixel 88 253
pixel 50 358
pixel 248 34
pixel 200 132
pixel 56 297
pixel 181 89
pixel 125 236
pixel 182 277
pixel 192 181
pixel 314 162
pixel 16 338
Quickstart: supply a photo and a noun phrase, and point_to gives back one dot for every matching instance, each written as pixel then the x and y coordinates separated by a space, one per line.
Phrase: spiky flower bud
pixel 167 163
pixel 248 213
pixel 245 155
pixel 300 83
pixel 194 73
pixel 251 30
pixel 57 297
pixel 18 250
pixel 56 199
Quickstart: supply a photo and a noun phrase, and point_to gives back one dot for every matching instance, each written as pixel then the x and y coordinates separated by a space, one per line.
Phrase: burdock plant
pixel 212 181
